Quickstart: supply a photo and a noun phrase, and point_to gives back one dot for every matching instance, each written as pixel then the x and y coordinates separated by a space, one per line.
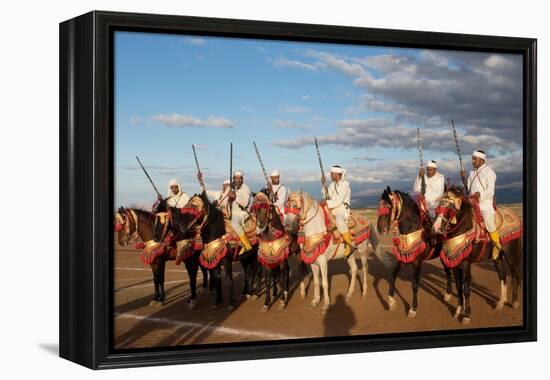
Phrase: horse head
pixel 450 205
pixel 192 215
pixel 261 209
pixel 293 211
pixel 385 206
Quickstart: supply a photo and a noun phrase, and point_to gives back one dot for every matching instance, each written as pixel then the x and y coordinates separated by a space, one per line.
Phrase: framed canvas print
pixel 236 189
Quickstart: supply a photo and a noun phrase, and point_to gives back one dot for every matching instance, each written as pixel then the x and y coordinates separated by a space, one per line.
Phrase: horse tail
pixel 513 254
pixel 377 247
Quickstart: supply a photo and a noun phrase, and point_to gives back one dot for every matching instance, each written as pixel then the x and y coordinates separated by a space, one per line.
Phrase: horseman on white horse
pixel 339 193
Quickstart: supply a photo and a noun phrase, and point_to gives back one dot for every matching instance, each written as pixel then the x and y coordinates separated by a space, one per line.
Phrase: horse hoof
pixel 515 305
pixel 153 303
pixel 192 304
pixel 447 297
pixel 264 308
pixel 325 309
pixel 348 298
pixel 247 296
pixel 314 304
pixel 302 296
pixel 364 294
pixel 231 308
pixel 499 306
pixel 391 304
pixel 411 313
pixel 457 312
pixel 281 306
pixel 466 320
pixel 215 307
pixel 254 297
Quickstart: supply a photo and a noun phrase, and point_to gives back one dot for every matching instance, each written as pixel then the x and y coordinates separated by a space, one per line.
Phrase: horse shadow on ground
pixel 432 280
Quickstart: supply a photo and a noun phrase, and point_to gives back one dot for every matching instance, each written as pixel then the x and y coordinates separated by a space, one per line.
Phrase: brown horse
pixel 219 247
pixel 133 224
pixel 413 242
pixel 466 242
pixel 275 247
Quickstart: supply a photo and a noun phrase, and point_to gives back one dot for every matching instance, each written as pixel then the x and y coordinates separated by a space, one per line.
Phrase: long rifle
pixel 263 170
pixel 231 187
pixel 323 181
pixel 203 188
pixel 148 177
pixel 423 179
pixel 459 155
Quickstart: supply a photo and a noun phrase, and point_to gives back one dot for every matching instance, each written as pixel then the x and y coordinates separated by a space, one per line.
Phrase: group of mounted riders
pixel 458 225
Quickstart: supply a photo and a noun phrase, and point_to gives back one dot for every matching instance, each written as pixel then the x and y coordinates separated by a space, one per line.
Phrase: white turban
pixel 337 169
pixel 479 153
pixel 173 182
pixel 432 164
pixel 275 173
pixel 238 173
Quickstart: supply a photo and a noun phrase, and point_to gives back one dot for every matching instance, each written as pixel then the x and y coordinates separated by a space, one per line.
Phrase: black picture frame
pixel 86 188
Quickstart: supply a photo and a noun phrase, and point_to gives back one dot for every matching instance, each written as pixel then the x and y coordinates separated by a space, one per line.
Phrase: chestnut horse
pixel 133 224
pixel 456 222
pixel 413 241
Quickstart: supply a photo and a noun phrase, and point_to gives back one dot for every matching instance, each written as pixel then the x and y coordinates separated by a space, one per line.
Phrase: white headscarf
pixel 173 182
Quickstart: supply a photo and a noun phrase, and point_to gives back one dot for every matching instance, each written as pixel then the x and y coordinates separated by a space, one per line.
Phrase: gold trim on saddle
pixel 313 240
pixel 458 241
pixel 407 241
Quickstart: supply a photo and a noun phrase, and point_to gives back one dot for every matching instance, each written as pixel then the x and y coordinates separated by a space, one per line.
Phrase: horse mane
pixel 408 200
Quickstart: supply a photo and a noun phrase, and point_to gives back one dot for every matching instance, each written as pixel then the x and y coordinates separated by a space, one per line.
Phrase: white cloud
pixel 296 109
pixel 194 41
pixel 177 120
pixel 291 124
pixel 282 62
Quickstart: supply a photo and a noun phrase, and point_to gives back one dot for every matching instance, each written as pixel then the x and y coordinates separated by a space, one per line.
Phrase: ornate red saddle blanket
pixel 272 253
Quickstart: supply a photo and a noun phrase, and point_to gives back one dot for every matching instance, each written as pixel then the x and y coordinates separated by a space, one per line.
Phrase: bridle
pixel 447 212
pixel 298 209
pixel 124 222
pixel 394 209
pixel 197 211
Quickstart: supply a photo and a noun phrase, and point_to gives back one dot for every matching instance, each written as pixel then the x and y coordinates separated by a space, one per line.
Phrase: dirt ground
pixel 137 324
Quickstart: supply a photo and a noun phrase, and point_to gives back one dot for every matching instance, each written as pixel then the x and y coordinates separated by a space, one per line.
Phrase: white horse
pixel 304 211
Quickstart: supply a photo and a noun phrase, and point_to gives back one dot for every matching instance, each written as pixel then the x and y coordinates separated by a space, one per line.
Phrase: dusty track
pixel 137 324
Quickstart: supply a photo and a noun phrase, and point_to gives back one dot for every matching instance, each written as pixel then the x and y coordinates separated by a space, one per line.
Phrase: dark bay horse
pixel 413 241
pixel 133 224
pixel 201 214
pixel 275 246
pixel 456 222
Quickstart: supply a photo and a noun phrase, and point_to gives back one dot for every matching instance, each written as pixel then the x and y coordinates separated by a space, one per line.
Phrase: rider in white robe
pixel 435 186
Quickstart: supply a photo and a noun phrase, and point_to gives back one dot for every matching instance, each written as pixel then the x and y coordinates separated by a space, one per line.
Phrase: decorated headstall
pixel 294 204
pixel 261 201
pixel 196 209
pixel 123 221
pixel 449 205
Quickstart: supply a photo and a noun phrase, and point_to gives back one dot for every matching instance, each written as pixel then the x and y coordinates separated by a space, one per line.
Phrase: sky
pixel 363 103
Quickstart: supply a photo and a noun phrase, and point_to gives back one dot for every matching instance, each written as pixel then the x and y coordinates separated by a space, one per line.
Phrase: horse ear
pixel 388 189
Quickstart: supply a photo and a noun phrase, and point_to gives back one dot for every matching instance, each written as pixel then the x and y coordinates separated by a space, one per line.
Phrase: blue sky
pixel 363 103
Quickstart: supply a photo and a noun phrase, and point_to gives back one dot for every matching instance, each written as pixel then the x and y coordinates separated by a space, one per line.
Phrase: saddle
pixel 249 229
pixel 358 227
pixel 507 223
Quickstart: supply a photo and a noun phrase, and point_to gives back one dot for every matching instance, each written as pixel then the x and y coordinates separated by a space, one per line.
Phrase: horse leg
pixel 512 255
pixel 246 270
pixel 316 285
pixel 304 273
pixel 467 280
pixel 230 287
pixel 216 280
pixel 447 296
pixel 499 265
pixel 268 282
pixel 156 296
pixel 276 277
pixel 391 292
pixel 353 273
pixel 364 270
pixel 459 292
pixel 204 275
pixel 192 266
pixel 417 266
pixel 324 280
pixel 284 284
